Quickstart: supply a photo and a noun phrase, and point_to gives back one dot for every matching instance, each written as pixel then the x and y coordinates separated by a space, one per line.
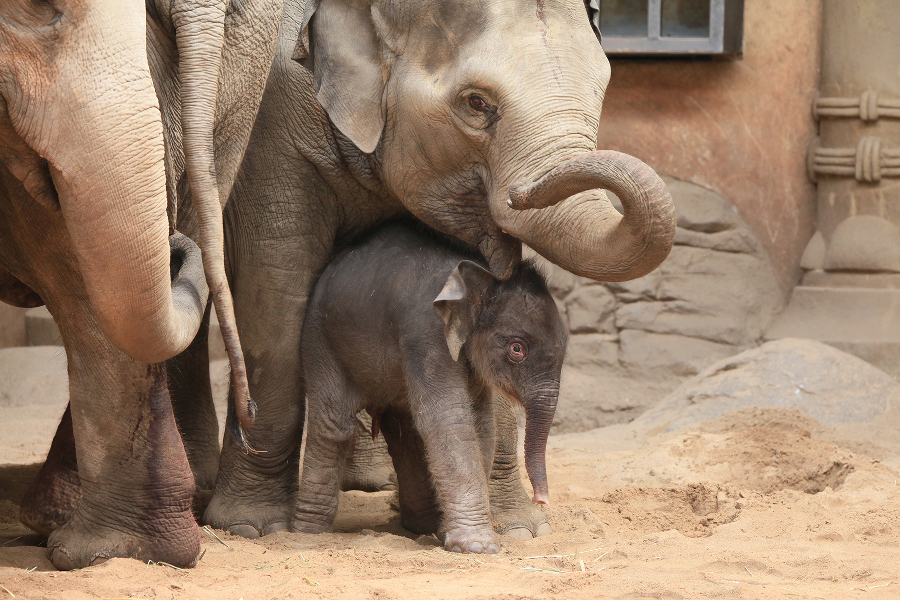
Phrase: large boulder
pixel 839 390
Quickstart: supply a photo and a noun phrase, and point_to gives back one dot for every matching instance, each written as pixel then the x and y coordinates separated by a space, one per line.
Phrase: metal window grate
pixel 673 27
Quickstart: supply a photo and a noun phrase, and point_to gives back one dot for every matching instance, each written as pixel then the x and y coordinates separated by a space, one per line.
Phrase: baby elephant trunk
pixel 539 411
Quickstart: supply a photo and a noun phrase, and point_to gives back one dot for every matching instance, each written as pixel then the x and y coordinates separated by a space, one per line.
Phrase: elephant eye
pixel 478 103
pixel 516 351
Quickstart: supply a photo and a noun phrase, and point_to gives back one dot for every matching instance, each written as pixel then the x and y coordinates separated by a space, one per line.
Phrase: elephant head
pixel 477 113
pixel 80 128
pixel 512 335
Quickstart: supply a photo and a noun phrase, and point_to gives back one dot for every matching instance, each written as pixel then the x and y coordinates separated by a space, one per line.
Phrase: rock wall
pixel 714 296
pixel 12 326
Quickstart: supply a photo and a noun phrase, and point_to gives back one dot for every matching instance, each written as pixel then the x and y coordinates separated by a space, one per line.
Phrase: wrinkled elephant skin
pixel 93 167
pixel 433 109
pixel 413 331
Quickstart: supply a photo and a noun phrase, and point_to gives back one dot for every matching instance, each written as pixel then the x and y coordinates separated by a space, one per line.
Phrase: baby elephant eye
pixel 516 351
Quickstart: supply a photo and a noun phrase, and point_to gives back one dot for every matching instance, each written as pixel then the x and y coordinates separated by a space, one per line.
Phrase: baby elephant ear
pixel 461 301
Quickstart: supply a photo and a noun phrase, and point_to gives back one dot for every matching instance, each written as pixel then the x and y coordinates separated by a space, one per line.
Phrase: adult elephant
pixel 107 118
pixel 462 113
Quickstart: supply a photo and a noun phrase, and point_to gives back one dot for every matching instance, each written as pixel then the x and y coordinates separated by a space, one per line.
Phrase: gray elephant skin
pixel 107 117
pixel 420 335
pixel 480 119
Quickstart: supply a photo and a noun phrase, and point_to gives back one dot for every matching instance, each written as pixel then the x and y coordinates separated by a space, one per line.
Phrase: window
pixel 648 27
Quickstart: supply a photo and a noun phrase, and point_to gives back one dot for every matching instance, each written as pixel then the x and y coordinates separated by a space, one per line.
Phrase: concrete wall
pixel 740 128
pixel 12 326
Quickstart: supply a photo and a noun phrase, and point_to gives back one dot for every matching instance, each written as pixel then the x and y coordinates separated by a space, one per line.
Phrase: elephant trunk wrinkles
pixel 106 162
pixel 576 226
pixel 539 411
pixel 200 36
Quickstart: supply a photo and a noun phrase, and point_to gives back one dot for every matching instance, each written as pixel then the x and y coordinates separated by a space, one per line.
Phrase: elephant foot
pixel 248 517
pixel 53 495
pixel 168 537
pixel 51 500
pixel 481 540
pixel 423 522
pixel 304 526
pixel 522 522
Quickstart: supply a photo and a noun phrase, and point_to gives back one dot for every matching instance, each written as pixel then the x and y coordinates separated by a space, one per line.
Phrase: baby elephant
pixel 419 334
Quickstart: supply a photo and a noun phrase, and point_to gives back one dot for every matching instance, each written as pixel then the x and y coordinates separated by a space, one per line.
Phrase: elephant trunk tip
pixel 518 196
pixel 541 496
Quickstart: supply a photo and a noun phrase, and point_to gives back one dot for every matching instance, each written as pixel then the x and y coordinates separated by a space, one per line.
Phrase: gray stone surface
pixel 833 387
pixel 593 349
pixel 40 328
pixel 12 326
pixel 591 309
pixel 34 375
pixel 659 355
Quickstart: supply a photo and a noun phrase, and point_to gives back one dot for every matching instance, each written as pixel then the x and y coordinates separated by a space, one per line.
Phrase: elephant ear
pixel 339 44
pixel 461 302
pixel 593 11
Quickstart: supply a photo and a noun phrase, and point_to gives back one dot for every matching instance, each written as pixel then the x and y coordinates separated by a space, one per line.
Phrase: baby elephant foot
pixel 79 543
pixel 524 522
pixel 477 541
pixel 246 519
pixel 301 526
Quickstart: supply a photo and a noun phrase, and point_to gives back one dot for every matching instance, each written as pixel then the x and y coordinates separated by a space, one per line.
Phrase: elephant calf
pixel 421 335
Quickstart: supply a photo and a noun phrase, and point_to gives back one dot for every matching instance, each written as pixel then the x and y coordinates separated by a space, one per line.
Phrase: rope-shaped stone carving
pixel 869 107
pixel 869 162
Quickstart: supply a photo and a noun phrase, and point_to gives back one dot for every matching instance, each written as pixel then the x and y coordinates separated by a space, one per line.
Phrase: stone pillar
pixel 849 292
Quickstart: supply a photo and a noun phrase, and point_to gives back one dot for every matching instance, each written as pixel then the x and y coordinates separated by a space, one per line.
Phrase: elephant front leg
pixel 443 416
pixel 53 495
pixel 511 508
pixel 136 484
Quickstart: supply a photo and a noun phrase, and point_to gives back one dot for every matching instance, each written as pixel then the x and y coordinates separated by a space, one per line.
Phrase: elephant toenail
pixel 544 529
pixel 520 533
pixel 244 530
pixel 61 560
pixel 275 528
pixel 476 547
pixel 455 549
pixel 493 549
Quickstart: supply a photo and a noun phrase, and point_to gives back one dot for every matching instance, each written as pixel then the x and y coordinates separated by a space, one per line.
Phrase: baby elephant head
pixel 513 338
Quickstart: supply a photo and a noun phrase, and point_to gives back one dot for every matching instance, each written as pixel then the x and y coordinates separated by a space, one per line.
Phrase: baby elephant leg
pixel 330 426
pixel 444 419
pixel 368 466
pixel 419 510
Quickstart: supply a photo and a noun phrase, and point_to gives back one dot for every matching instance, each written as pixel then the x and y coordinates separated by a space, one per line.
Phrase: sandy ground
pixel 761 503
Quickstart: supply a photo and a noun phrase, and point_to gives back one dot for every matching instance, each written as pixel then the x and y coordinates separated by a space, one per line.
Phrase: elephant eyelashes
pixel 516 351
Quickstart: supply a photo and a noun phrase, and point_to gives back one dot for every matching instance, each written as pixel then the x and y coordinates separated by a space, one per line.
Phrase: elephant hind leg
pixel 419 510
pixel 368 467
pixel 53 495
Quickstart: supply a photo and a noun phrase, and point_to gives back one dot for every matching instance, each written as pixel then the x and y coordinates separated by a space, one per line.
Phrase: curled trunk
pixel 105 157
pixel 578 229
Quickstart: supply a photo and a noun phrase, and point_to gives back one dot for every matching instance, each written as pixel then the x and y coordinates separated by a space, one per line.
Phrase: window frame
pixel 726 34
